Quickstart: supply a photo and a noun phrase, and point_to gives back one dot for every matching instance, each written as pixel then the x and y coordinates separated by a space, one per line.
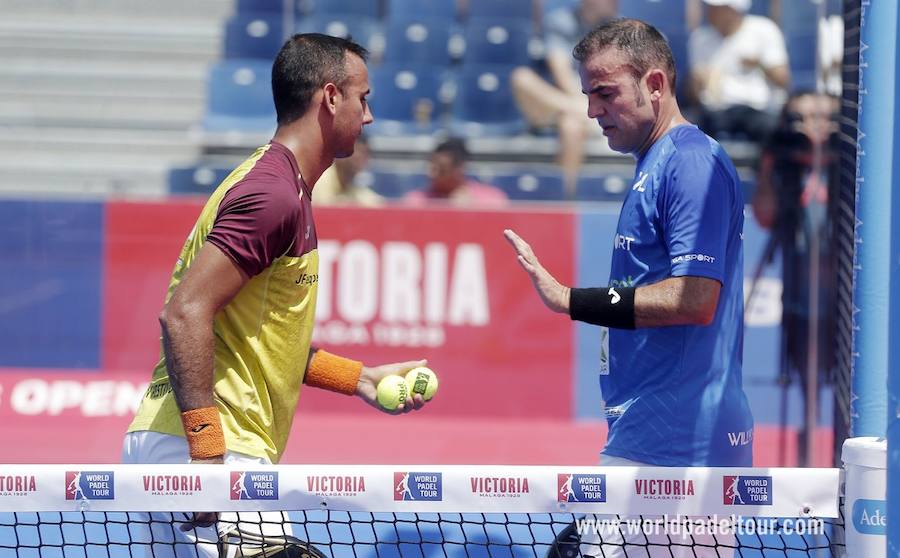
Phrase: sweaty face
pixel 353 107
pixel 618 101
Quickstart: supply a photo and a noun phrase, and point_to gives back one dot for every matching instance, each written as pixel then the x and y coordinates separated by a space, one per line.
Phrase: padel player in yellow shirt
pixel 238 318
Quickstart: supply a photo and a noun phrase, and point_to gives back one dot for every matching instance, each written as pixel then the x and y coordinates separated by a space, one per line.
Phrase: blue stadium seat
pixel 253 36
pixel 421 40
pixel 678 41
pixel 665 15
pixel 260 6
pixel 394 184
pixel 538 186
pixel 802 60
pixel 365 8
pixel 607 187
pixel 760 7
pixel 240 97
pixel 200 179
pixel 483 103
pixel 548 6
pixel 364 30
pixel 438 9
pixel 406 99
pixel 509 9
pixel 497 41
pixel 801 16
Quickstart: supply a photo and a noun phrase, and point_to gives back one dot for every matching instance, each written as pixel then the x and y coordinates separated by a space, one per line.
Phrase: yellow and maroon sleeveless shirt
pixel 261 218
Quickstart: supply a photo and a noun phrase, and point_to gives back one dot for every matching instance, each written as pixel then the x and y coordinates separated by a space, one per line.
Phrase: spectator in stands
pixel 798 170
pixel 559 102
pixel 808 123
pixel 341 184
pixel 739 71
pixel 447 170
pixel 831 54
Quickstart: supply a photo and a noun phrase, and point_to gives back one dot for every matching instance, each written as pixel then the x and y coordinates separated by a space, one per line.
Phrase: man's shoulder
pixel 692 148
pixel 688 135
pixel 755 25
pixel 485 192
pixel 688 142
pixel 703 37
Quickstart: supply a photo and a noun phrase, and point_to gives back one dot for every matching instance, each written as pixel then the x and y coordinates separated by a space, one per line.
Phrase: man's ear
pixel 657 84
pixel 330 97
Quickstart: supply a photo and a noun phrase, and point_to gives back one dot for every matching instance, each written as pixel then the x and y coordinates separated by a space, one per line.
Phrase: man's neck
pixel 731 26
pixel 669 117
pixel 306 143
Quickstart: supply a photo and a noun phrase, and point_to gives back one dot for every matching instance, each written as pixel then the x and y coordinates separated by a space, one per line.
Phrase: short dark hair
pixel 642 43
pixel 455 148
pixel 305 63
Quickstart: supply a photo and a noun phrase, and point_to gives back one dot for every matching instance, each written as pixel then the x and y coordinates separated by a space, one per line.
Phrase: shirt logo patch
pixel 639 185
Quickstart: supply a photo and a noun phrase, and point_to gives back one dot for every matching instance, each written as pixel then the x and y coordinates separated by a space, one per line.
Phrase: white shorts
pixel 159 534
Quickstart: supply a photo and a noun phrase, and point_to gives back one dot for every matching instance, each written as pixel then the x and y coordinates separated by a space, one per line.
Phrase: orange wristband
pixel 334 373
pixel 203 431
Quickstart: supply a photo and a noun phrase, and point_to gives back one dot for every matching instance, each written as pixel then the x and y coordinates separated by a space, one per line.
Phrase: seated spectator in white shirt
pixel 739 71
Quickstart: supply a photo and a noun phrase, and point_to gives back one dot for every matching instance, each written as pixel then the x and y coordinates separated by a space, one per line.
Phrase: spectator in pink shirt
pixel 449 182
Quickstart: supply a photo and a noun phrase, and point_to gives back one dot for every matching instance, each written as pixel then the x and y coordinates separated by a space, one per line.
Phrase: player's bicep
pixel 699 298
pixel 211 281
pixel 677 301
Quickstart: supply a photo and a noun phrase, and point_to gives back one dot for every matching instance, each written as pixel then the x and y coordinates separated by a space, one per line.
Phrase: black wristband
pixel 607 306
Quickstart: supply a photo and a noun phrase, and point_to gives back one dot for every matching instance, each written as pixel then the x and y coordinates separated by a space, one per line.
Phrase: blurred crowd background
pixel 117 118
pixel 123 97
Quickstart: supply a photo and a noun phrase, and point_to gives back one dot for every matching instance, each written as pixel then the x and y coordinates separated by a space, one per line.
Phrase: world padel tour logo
pixel 90 485
pixel 423 487
pixel 336 485
pixel 573 487
pixel 499 487
pixel 254 485
pixel 746 491
pixel 17 485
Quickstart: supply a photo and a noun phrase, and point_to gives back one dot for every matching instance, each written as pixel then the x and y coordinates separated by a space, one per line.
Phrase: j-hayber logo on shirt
pixel 17 485
pixel 90 485
pixel 254 485
pixel 336 485
pixel 747 491
pixel 424 487
pixel 573 487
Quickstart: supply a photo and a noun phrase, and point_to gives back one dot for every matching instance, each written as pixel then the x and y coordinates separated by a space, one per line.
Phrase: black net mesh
pixel 386 535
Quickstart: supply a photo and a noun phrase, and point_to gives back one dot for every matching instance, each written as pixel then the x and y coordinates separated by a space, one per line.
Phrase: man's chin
pixel 617 148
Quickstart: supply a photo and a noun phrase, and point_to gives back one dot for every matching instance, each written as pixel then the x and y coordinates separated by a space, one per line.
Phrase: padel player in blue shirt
pixel 673 310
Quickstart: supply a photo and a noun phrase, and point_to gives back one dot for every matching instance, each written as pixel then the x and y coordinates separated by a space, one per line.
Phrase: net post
pixel 893 383
pixel 877 234
pixel 874 178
